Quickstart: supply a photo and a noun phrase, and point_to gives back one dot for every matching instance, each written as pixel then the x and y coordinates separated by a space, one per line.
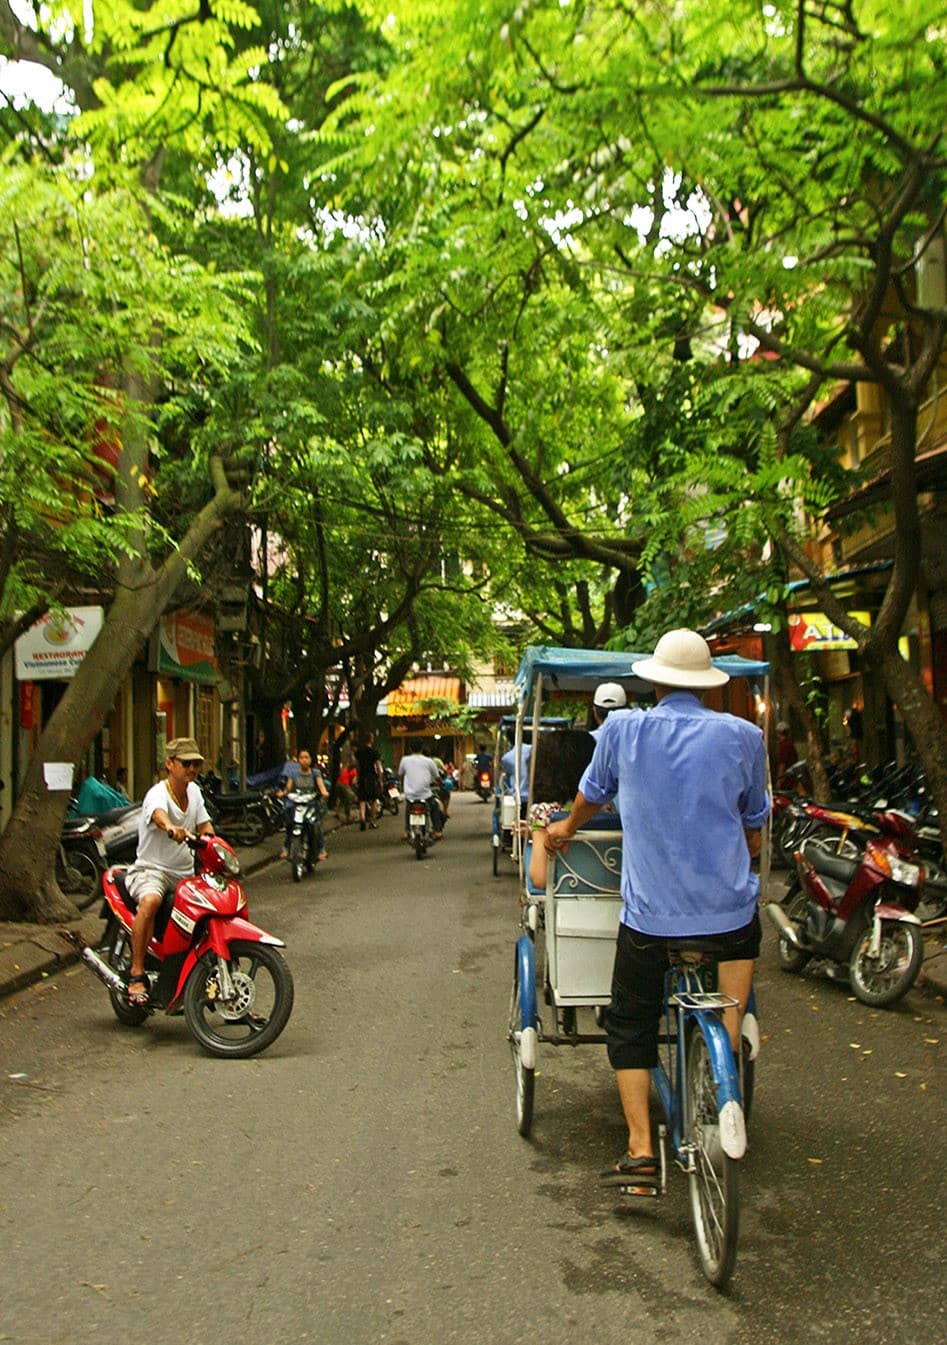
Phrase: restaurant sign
pixel 54 646
pixel 186 647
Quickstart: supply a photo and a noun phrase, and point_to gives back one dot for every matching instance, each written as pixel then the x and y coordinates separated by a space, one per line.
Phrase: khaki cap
pixel 185 749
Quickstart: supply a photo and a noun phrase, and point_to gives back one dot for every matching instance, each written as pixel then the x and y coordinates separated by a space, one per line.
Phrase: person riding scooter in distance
pixel 691 785
pixel 171 811
pixel 303 777
pixel 419 778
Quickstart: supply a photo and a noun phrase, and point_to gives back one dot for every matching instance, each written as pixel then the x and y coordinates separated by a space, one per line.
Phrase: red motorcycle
pixel 855 913
pixel 205 960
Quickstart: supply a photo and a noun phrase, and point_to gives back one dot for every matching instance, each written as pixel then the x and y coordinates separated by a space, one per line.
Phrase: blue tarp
pixel 574 669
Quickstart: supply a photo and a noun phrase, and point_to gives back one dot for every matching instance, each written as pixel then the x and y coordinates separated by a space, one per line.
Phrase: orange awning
pixel 408 699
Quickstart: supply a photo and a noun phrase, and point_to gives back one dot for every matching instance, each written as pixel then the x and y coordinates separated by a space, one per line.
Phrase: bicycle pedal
pixel 639 1189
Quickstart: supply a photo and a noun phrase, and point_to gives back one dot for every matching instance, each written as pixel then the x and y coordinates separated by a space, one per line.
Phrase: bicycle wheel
pixel 713 1185
pixel 522 1035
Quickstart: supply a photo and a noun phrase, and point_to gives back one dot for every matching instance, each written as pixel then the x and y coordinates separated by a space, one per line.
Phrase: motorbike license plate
pixel 417 819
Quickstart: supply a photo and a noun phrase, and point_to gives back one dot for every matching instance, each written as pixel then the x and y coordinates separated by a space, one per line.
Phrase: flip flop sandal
pixel 138 999
pixel 631 1171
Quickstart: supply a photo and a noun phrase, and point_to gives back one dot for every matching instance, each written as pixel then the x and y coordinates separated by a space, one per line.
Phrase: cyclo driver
pixel 691 787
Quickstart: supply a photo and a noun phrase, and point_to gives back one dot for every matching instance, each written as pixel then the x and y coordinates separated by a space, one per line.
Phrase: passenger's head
pixel 305 758
pixel 414 745
pixel 608 696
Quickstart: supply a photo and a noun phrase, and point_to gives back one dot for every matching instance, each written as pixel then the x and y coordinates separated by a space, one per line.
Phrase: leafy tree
pixel 748 186
pixel 145 80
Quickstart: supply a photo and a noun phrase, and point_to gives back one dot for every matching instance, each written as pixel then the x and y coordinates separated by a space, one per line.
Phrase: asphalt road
pixel 363 1182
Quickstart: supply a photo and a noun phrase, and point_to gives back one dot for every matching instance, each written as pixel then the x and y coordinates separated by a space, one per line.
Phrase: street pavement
pixel 30 953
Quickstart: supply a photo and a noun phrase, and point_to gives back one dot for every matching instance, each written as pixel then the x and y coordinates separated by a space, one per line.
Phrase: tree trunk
pixel 785 677
pixel 28 888
pixel 924 722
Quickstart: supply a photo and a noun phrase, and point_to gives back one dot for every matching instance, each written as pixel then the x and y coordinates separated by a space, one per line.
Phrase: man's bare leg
pixel 735 979
pixel 142 929
pixel 634 1092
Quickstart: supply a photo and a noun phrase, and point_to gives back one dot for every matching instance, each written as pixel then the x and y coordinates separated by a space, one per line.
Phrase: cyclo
pixel 563 965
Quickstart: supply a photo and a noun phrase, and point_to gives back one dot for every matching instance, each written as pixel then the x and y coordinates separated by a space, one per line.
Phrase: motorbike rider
pixel 302 776
pixel 693 800
pixel 419 779
pixel 171 810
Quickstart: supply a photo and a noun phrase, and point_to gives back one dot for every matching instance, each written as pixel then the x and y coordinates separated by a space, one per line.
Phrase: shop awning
pixel 501 697
pixel 739 614
pixel 410 697
pixel 930 470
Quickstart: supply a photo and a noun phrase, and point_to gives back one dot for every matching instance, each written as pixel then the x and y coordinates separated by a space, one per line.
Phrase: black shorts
pixel 633 1017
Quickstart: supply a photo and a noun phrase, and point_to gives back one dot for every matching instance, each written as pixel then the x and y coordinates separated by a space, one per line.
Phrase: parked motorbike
pixel 390 800
pixel 205 961
pixel 80 862
pixel 244 818
pixel 108 838
pixel 420 831
pixel 303 832
pixel 854 916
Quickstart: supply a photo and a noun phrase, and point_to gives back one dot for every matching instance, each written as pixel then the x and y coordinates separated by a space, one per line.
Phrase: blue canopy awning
pixel 574 669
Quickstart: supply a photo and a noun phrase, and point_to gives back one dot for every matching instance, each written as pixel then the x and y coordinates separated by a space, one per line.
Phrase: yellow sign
pixel 814 631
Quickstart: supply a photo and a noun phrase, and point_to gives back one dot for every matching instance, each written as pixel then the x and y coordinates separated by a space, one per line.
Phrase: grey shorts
pixel 142 881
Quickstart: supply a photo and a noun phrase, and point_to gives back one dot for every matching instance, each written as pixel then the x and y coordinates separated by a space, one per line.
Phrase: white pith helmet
pixel 681 658
pixel 609 696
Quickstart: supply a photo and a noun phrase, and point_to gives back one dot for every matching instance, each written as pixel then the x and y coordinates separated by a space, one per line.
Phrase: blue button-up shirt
pixel 508 764
pixel 691 781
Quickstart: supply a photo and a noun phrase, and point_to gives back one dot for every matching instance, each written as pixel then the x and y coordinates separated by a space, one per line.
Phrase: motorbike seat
pixel 834 866
pixel 694 952
pixel 164 910
pixel 117 814
pixel 225 801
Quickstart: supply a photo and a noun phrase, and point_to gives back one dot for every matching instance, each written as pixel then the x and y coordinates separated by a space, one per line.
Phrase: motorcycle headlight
pixel 229 862
pixel 908 875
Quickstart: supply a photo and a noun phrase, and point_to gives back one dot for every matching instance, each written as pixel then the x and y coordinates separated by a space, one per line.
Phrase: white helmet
pixel 681 659
pixel 609 696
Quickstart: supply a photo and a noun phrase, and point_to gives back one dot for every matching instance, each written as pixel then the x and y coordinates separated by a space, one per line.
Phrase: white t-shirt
pixel 156 850
pixel 418 773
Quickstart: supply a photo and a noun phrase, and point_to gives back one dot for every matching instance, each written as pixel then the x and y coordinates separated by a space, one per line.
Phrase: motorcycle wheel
pixel 933 904
pixel 117 953
pixel 883 980
pixel 253 1021
pixel 794 904
pixel 248 830
pixel 419 846
pixel 78 877
pixel 296 858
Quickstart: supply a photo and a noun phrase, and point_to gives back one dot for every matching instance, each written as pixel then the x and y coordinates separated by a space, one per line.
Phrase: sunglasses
pixel 190 762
